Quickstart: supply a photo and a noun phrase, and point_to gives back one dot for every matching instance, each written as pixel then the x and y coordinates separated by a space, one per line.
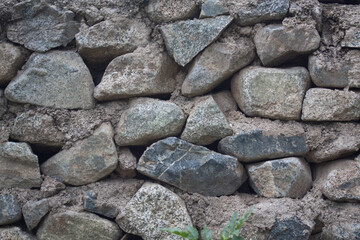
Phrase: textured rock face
pixel 92 205
pixel 225 101
pixel 3 104
pixel 10 210
pixel 87 161
pixel 217 63
pixel 14 233
pixel 185 39
pixel 50 187
pixel 212 8
pixel 44 27
pixel 206 124
pixel 179 163
pixel 82 226
pixel 34 211
pixel 352 38
pixel 147 121
pixel 127 163
pixel 286 177
pixel 57 79
pixel 322 104
pixel 11 59
pixel 341 231
pixel 143 73
pixel 104 41
pixel 291 228
pixel 276 44
pixel 153 207
pixel 19 167
pixel 271 92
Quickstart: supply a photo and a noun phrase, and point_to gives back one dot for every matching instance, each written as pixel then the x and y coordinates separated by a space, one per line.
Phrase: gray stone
pixel 14 233
pixel 171 10
pixel 287 229
pixel 271 92
pixel 46 27
pixel 33 212
pixel 50 187
pixel 11 59
pixel 87 161
pixel 93 16
pixel 102 208
pixel 154 207
pixel 212 8
pixel 3 104
pixel 10 210
pixel 106 40
pixel 216 64
pixel 321 104
pixel 185 39
pixel 81 226
pixel 341 230
pixel 127 163
pixel 57 79
pixel 179 163
pixel 225 101
pixel 143 73
pixel 285 177
pixel 19 167
pixel 276 44
pixel 206 124
pixel 352 38
pixel 147 121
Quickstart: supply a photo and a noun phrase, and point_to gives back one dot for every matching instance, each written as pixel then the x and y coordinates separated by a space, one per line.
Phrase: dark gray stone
pixel 212 8
pixel 33 212
pixel 10 210
pixel 290 229
pixel 91 204
pixel 192 168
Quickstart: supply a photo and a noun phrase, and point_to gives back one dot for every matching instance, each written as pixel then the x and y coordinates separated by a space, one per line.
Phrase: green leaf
pixel 193 233
pixel 176 231
pixel 206 233
pixel 245 217
pixel 232 222
pixel 238 238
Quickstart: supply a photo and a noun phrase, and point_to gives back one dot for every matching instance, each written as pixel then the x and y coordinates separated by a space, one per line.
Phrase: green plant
pixel 231 230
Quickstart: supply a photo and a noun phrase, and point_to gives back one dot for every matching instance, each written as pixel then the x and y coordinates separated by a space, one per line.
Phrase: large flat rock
pixel 12 57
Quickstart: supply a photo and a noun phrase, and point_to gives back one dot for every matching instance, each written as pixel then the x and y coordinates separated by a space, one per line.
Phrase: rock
pixel 276 44
pixel 87 161
pixel 185 39
pixel 38 129
pixel 154 207
pixel 352 38
pixel 46 27
pixel 81 226
pixel 19 167
pixel 216 64
pixel 206 124
pixel 192 168
pixel 14 233
pixel 212 8
pixel 143 73
pixel 51 187
pixel 41 84
pixel 34 211
pixel 102 208
pixel 321 104
pixel 3 104
pixel 225 101
pixel 11 59
pixel 127 163
pixel 93 16
pixel 147 121
pixel 106 40
pixel 171 10
pixel 307 12
pixel 292 228
pixel 271 92
pixel 10 210
pixel 286 177
pixel 341 230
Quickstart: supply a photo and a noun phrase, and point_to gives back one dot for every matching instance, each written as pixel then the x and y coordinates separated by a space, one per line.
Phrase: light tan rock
pixel 127 163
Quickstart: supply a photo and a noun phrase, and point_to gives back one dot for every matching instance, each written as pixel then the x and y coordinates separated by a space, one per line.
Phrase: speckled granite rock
pixel 15 233
pixel 352 38
pixel 292 228
pixel 3 104
pixel 341 230
pixel 12 57
pixel 10 210
pixel 213 8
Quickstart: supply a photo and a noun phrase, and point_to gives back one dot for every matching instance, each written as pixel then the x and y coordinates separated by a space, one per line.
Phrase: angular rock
pixel 143 73
pixel 10 210
pixel 19 167
pixel 285 177
pixel 341 230
pixel 154 207
pixel 178 163
pixel 271 92
pixel 212 8
pixel 225 101
pixel 171 10
pixel 81 226
pixel 11 59
pixel 102 208
pixel 14 233
pixel 206 124
pixel 50 187
pixel 43 27
pixel 352 38
pixel 106 40
pixel 127 163
pixel 321 104
pixel 38 129
pixel 57 79
pixel 34 211
pixel 276 43
pixel 87 161
pixel 292 228
pixel 3 104
pixel 216 64
pixel 185 39
pixel 147 121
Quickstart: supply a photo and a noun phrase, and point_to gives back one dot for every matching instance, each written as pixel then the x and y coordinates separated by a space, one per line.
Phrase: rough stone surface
pixel 43 27
pixel 3 104
pixel 50 187
pixel 87 161
pixel 153 207
pixel 106 40
pixel 225 101
pixel 57 79
pixel 271 92
pixel 127 163
pixel 291 228
pixel 322 104
pixel 81 226
pixel 14 233
pixel 212 8
pixel 276 43
pixel 11 59
pixel 92 205
pixel 341 231
pixel 33 212
pixel 206 124
pixel 286 177
pixel 147 121
pixel 10 210
pixel 352 38
pixel 185 39
pixel 19 167
pixel 216 64
pixel 143 73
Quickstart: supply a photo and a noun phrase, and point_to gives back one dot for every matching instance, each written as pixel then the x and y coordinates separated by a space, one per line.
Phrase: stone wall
pixel 120 117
